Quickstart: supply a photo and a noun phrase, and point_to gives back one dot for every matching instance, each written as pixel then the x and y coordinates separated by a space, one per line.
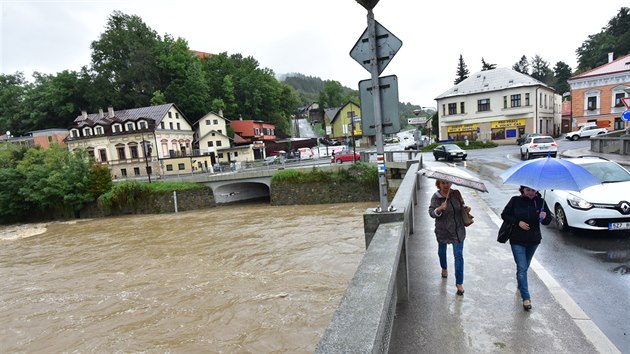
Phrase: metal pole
pixel 146 161
pixel 376 95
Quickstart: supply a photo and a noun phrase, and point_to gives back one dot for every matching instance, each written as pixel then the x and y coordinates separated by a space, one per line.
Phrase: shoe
pixel 444 273
pixel 460 290
pixel 527 305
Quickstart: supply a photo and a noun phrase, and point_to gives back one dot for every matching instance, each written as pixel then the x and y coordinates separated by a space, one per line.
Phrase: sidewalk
pixel 623 160
pixel 489 317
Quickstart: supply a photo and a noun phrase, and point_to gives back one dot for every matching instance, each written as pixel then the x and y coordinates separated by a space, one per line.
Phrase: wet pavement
pixel 489 317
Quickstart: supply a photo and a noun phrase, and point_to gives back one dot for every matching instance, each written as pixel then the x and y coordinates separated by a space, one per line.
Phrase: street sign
pixel 626 115
pixel 389 105
pixel 386 47
pixel 416 120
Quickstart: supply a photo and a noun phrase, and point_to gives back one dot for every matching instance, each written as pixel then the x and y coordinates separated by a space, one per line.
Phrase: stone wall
pixel 290 193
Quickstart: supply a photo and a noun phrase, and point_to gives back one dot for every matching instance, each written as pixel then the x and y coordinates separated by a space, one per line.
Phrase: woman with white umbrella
pixel 526 212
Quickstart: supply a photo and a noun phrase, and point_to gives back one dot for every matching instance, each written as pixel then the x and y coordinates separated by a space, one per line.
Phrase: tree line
pixel 613 38
pixel 132 66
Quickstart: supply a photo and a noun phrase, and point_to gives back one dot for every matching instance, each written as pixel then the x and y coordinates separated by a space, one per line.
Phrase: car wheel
pixel 436 157
pixel 339 161
pixel 575 137
pixel 463 158
pixel 527 156
pixel 522 155
pixel 554 155
pixel 561 219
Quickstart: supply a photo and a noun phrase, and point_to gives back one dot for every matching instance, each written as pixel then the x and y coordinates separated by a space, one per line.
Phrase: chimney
pixel 220 113
pixel 100 112
pixel 84 114
pixel 110 111
pixel 610 57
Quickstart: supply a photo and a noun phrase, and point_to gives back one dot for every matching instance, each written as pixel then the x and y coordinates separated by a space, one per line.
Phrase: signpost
pixel 626 114
pixel 374 50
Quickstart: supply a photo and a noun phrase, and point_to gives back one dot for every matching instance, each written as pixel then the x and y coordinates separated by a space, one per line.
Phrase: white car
pixel 542 145
pixel 604 206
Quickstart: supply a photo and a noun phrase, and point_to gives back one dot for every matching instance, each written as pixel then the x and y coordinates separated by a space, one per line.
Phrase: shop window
pixel 498 134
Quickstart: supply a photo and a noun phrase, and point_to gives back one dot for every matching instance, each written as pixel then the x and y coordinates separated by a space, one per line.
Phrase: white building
pixel 498 105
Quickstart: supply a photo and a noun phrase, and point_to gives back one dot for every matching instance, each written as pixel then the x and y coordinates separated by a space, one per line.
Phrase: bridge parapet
pixel 365 317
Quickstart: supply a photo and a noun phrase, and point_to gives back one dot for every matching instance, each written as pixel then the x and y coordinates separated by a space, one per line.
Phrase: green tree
pixel 332 95
pixel 614 38
pixel 541 70
pixel 462 71
pixel 13 91
pixel 485 66
pixel 125 60
pixel 522 66
pixel 562 73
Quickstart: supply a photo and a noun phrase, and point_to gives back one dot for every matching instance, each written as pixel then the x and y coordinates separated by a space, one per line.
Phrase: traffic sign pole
pixel 376 92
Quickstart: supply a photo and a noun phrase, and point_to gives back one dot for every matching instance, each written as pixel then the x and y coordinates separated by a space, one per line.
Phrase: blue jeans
pixel 523 257
pixel 458 253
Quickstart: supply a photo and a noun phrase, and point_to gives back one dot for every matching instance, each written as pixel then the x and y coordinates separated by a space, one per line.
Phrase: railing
pixel 364 319
pixel 612 143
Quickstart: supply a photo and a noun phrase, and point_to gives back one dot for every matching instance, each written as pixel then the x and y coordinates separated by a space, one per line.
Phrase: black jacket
pixel 521 208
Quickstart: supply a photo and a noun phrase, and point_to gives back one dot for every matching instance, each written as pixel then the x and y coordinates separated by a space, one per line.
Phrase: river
pixel 248 278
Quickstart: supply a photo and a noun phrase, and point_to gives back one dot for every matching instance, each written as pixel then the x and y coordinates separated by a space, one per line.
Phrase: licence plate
pixel 619 226
pixel 544 147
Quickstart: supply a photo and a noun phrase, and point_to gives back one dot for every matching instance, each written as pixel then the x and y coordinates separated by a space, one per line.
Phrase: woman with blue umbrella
pixel 526 212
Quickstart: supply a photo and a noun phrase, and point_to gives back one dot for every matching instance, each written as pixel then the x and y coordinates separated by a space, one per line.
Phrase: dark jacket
pixel 521 208
pixel 449 227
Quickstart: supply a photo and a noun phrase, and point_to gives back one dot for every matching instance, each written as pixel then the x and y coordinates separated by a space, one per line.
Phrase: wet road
pixel 593 267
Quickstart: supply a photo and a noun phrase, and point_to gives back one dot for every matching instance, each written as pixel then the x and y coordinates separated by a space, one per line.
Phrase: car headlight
pixel 578 203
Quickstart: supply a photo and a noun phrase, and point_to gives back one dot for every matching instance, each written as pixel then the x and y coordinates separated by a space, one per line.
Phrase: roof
pixel 616 66
pixel 491 80
pixel 155 113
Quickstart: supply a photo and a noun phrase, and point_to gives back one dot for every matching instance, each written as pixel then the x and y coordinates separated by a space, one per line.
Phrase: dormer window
pixel 87 131
pixel 74 133
pixel 142 125
pixel 130 127
pixel 117 128
pixel 98 130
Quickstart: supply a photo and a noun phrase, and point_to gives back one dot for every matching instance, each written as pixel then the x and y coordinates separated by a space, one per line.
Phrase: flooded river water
pixel 232 279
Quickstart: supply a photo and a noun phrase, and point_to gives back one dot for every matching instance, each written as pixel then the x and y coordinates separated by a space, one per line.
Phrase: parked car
pixel 603 206
pixel 524 137
pixel 345 157
pixel 272 160
pixel 449 152
pixel 586 131
pixel 542 145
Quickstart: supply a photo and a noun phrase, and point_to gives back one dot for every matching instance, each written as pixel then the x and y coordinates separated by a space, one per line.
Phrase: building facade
pixel 498 105
pixel 596 95
pixel 212 140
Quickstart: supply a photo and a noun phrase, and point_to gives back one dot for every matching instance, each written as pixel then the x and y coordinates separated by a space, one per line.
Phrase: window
pixel 136 171
pixel 117 128
pixel 121 152
pixel 221 131
pixel 142 125
pixel 256 131
pixel 235 153
pixel 102 153
pixel 149 170
pixel 527 99
pixel 178 127
pixel 483 105
pixel 443 109
pixel 169 167
pixel 504 101
pixel 216 121
pixel 170 124
pixel 540 100
pixel 87 132
pixel 618 97
pixel 219 143
pixel 461 108
pixel 210 143
pixel 181 166
pixel 220 155
pixel 515 100
pixel 50 138
pixel 99 130
pixel 133 150
pixel 591 104
pixel 129 127
pixel 452 108
pixel 123 172
pixel 161 125
pixel 208 122
pixel 75 133
pixel 170 115
pixel 176 115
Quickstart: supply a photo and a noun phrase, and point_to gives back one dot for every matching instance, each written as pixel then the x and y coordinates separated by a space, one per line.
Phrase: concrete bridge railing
pixel 364 319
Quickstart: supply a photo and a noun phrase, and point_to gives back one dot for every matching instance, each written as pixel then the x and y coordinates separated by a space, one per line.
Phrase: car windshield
pixel 451 147
pixel 607 172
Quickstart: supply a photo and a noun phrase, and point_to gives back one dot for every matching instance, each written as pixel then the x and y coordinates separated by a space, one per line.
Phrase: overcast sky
pixel 315 37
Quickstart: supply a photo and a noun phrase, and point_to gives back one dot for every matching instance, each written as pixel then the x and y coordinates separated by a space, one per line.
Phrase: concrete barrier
pixel 364 319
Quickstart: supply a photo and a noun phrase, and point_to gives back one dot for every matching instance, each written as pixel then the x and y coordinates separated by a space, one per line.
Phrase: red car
pixel 346 157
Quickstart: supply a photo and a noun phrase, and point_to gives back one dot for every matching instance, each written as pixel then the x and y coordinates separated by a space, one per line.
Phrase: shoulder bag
pixel 504 232
pixel 466 216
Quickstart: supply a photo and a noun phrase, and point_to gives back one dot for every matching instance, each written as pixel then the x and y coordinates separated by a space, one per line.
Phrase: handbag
pixel 505 231
pixel 466 216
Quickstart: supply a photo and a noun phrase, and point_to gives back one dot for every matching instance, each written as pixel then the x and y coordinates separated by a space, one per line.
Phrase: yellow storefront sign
pixel 461 128
pixel 510 123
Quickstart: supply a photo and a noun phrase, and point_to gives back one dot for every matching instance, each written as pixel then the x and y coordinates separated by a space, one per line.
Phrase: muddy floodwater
pixel 232 279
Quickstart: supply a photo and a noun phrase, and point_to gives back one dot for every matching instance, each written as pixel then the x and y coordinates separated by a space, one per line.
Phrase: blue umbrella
pixel 549 173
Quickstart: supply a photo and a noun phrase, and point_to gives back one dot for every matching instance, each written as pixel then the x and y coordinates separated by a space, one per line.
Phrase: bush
pixel 359 172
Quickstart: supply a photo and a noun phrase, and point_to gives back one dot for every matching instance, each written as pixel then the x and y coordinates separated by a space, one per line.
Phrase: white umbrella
pixel 454 175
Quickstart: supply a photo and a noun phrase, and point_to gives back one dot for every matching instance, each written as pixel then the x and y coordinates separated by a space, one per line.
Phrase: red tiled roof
pixel 620 65
pixel 201 55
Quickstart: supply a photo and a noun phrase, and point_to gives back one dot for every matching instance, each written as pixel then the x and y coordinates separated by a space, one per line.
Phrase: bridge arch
pixel 234 191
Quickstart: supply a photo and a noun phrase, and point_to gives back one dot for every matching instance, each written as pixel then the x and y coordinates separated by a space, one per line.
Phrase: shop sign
pixel 461 128
pixel 510 123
